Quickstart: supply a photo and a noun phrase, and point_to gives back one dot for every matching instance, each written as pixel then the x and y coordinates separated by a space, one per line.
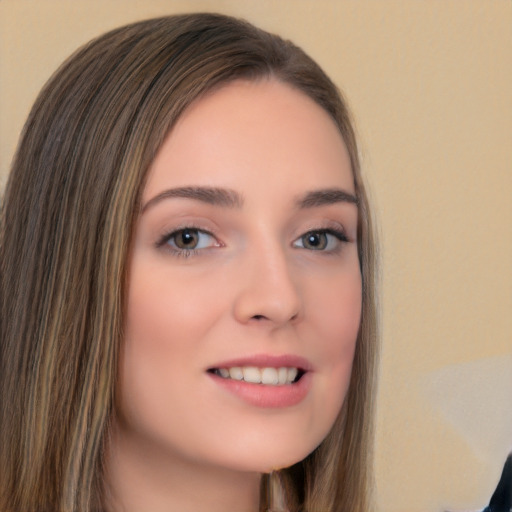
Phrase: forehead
pixel 249 134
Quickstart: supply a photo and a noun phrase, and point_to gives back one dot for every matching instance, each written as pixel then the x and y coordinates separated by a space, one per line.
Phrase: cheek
pixel 167 311
pixel 161 351
pixel 336 310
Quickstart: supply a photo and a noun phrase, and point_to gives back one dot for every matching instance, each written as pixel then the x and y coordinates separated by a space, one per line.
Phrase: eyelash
pixel 336 233
pixel 163 242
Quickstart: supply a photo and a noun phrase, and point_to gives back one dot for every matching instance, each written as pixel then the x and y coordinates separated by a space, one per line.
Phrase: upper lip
pixel 267 361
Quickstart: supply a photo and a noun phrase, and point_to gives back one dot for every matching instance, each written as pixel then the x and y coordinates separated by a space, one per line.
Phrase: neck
pixel 142 477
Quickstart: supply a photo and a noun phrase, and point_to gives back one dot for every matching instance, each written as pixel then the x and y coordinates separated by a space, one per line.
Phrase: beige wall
pixel 429 82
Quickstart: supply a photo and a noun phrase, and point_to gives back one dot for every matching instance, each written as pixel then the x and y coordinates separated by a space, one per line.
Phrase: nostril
pixel 263 317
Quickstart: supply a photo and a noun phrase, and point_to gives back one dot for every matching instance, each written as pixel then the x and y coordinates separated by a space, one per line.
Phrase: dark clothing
pixel 501 500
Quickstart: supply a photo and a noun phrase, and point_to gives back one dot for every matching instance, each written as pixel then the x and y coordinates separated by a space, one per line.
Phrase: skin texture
pixel 253 286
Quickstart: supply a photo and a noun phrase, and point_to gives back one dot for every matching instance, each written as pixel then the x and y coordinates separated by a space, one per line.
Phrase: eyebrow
pixel 324 197
pixel 228 198
pixel 209 195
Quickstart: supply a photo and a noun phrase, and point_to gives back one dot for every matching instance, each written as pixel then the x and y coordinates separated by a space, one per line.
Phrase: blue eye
pixel 320 240
pixel 189 239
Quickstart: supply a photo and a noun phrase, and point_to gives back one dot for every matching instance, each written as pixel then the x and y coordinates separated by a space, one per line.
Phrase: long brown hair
pixel 67 218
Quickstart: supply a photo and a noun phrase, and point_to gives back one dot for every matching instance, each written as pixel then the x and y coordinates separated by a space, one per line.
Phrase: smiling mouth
pixel 266 376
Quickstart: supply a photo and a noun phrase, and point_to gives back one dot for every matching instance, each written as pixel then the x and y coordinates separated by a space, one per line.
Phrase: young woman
pixel 187 282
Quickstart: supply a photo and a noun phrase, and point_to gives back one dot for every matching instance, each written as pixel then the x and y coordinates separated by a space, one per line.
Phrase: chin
pixel 268 444
pixel 270 457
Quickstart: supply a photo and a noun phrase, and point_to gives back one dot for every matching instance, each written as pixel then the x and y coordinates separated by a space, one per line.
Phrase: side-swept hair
pixel 66 224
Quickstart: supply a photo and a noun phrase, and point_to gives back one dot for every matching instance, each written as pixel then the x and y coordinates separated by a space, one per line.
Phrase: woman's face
pixel 244 266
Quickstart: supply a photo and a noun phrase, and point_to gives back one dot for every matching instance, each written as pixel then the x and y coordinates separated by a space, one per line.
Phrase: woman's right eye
pixel 188 239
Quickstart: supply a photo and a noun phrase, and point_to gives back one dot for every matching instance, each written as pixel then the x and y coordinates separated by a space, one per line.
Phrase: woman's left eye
pixel 320 240
pixel 189 239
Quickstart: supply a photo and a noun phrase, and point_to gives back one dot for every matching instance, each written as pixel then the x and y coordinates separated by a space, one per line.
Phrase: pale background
pixel 429 82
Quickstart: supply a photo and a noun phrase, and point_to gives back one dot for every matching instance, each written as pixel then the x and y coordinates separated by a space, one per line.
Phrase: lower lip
pixel 262 395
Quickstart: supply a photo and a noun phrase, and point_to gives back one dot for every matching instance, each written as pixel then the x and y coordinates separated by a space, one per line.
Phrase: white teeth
pixel 236 373
pixel 267 376
pixel 282 375
pixel 292 374
pixel 252 374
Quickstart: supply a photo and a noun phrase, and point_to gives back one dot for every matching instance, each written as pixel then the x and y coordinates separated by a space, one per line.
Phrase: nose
pixel 267 292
